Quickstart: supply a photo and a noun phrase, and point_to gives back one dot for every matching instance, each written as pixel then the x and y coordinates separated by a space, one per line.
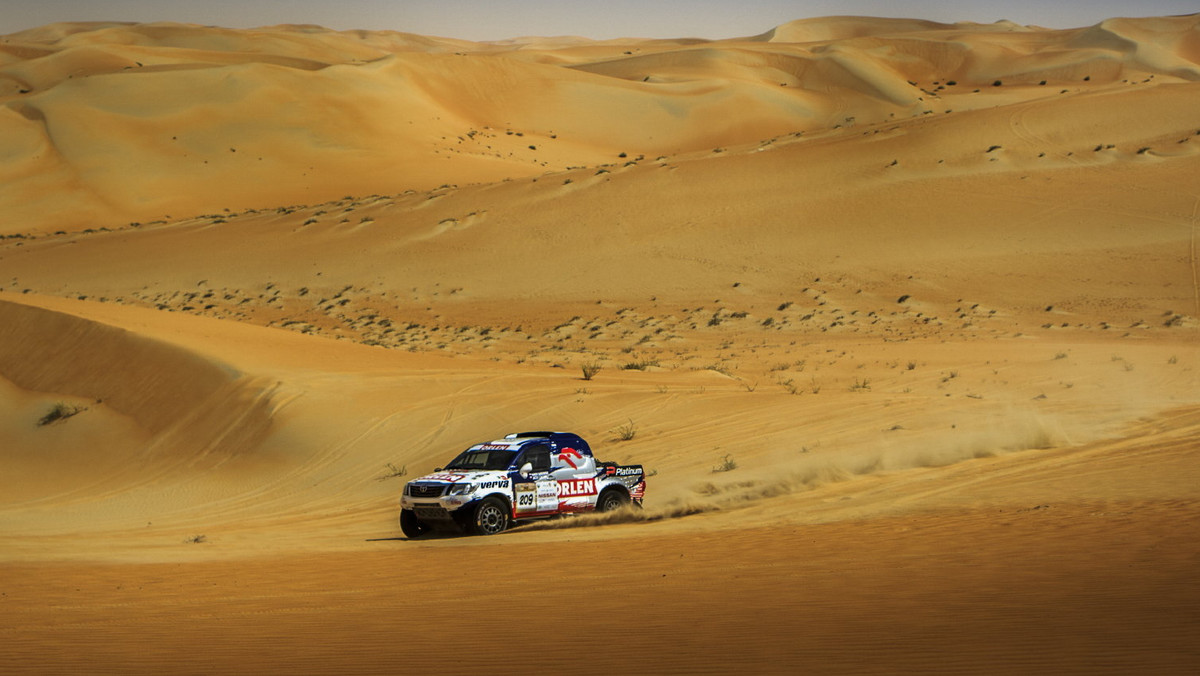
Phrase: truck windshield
pixel 493 460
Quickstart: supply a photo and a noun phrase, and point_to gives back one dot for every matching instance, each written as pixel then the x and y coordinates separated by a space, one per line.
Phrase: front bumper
pixel 444 508
pixel 431 512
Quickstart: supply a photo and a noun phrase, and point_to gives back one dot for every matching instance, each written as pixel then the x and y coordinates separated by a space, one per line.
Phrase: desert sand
pixel 903 318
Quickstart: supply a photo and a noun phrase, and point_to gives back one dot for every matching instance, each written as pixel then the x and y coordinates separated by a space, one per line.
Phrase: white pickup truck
pixel 523 476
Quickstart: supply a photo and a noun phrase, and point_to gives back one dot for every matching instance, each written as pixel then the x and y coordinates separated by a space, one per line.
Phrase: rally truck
pixel 527 475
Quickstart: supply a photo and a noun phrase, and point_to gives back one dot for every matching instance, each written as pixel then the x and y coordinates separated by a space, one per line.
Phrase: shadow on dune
pixel 192 406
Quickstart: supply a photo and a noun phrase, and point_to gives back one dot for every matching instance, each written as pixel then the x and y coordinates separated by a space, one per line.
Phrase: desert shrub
pixel 627 431
pixel 590 369
pixel 60 411
pixel 392 472
pixel 727 464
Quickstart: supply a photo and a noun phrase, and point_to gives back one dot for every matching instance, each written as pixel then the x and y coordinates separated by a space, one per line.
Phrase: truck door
pixel 537 492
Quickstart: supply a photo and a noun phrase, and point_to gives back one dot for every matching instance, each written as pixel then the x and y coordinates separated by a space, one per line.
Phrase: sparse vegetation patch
pixel 590 369
pixel 727 464
pixel 627 431
pixel 60 411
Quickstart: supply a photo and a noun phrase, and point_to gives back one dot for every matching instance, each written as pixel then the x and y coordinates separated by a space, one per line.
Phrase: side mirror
pixel 437 469
pixel 526 469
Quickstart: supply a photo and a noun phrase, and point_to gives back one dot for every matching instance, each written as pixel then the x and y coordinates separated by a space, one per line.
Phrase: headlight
pixel 461 489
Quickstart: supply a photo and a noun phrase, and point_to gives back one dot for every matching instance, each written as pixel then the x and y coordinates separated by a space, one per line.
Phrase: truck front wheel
pixel 410 525
pixel 611 499
pixel 490 517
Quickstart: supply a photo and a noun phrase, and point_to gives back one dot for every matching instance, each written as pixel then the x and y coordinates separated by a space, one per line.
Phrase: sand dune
pixel 300 114
pixel 903 315
pixel 831 28
pixel 149 381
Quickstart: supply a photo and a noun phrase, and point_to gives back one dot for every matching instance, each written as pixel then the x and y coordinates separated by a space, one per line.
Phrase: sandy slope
pixel 113 123
pixel 946 329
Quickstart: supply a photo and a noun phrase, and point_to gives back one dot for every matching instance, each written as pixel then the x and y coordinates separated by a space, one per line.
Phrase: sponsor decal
pixel 547 496
pixel 494 447
pixel 567 453
pixel 450 477
pixel 628 471
pixel 497 483
pixel 576 487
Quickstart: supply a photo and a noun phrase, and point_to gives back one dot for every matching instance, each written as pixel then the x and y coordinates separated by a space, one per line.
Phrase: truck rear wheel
pixel 490 517
pixel 613 498
pixel 410 525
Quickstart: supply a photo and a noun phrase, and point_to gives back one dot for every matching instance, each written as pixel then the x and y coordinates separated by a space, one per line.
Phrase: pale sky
pixel 599 19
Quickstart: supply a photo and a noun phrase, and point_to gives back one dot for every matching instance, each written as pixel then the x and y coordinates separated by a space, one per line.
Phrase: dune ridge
pixel 187 401
pixel 281 115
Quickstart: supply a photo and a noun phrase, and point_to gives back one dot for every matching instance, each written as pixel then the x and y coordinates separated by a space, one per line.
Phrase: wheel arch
pixel 499 495
pixel 619 489
pixel 622 488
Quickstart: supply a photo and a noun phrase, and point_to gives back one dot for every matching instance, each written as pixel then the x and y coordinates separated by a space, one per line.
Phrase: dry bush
pixel 60 411
pixel 727 464
pixel 625 432
pixel 590 369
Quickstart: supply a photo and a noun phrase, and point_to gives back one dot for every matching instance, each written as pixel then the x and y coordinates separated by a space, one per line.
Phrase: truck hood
pixel 464 476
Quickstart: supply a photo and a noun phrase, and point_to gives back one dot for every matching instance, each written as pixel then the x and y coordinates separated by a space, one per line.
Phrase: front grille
pixel 426 490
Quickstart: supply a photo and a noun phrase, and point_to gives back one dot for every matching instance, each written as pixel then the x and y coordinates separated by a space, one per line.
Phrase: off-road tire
pixel 612 499
pixel 489 517
pixel 411 526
